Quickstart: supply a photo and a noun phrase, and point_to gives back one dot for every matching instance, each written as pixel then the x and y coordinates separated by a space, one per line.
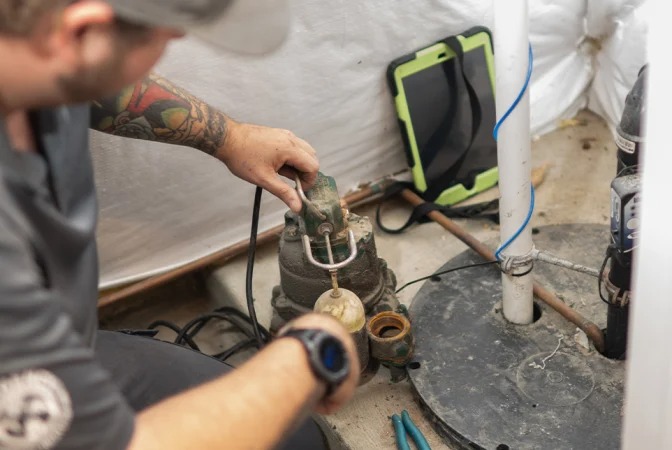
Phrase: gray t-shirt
pixel 53 392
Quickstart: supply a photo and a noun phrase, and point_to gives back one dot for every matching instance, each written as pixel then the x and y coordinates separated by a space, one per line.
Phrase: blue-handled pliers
pixel 405 425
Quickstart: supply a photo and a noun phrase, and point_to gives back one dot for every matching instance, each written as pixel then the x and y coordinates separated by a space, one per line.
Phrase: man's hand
pixel 258 154
pixel 345 391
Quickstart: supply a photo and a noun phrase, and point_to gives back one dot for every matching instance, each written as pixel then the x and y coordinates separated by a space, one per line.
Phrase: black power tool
pixel 614 283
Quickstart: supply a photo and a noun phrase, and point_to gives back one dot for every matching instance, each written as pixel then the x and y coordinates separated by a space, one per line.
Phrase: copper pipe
pixel 219 257
pixel 592 331
pixel 367 193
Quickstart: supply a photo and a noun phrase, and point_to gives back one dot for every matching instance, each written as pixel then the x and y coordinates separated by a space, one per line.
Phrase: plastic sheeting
pixel 619 29
pixel 162 207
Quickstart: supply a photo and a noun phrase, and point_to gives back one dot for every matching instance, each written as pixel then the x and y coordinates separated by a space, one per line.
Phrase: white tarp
pixel 163 207
pixel 619 28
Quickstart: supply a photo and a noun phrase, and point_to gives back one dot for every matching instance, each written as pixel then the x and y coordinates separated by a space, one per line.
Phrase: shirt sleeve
pixel 53 392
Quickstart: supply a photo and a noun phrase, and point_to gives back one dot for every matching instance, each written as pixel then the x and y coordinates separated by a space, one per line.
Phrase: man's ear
pixel 81 33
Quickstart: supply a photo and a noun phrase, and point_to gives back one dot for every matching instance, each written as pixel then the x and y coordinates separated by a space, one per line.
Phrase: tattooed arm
pixel 156 110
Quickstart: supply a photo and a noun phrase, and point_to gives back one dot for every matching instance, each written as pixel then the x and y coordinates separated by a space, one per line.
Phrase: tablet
pixel 447 138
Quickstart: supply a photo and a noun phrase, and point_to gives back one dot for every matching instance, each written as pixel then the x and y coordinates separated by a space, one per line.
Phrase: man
pixel 63 384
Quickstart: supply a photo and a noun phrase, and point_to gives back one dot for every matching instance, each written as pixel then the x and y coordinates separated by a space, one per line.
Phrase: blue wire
pixel 506 115
pixel 503 247
pixel 495 134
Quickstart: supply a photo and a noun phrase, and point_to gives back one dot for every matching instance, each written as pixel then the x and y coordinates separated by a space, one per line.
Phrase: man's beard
pixel 93 84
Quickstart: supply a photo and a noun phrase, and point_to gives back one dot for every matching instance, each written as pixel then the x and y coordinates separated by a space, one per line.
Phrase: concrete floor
pixel 582 164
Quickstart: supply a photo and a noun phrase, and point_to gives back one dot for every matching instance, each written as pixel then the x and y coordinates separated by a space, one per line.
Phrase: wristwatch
pixel 326 354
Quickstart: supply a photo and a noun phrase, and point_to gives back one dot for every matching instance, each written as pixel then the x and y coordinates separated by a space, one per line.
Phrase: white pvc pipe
pixel 513 150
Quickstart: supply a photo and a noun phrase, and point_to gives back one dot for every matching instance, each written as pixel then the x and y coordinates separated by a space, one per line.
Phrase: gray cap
pixel 246 26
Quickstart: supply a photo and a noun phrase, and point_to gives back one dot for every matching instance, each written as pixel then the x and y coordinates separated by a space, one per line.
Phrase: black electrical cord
pixel 217 314
pixel 527 272
pixel 601 274
pixel 437 274
pixel 176 329
pixel 250 268
pixel 240 346
pixel 186 334
pixel 188 328
pixel 236 312
pixel 629 170
pixel 257 334
pixel 243 323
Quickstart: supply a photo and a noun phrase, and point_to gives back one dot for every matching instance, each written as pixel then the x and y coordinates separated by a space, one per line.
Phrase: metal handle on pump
pixel 302 195
pixel 352 243
pixel 328 228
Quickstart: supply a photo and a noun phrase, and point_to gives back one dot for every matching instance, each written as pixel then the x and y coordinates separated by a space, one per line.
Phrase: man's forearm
pixel 254 407
pixel 157 110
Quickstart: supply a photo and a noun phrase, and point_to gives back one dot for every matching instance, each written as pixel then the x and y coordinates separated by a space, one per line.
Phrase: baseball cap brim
pixel 243 26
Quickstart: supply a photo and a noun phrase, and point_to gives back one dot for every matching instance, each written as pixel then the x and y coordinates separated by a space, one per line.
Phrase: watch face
pixel 332 355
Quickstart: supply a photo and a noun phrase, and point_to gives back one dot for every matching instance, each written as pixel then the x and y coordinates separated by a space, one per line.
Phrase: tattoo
pixel 156 110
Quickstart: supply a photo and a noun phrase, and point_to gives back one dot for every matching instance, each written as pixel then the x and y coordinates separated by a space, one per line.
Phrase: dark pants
pixel 148 370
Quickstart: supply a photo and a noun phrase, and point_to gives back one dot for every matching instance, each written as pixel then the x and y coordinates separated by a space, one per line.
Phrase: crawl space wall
pixel 163 206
